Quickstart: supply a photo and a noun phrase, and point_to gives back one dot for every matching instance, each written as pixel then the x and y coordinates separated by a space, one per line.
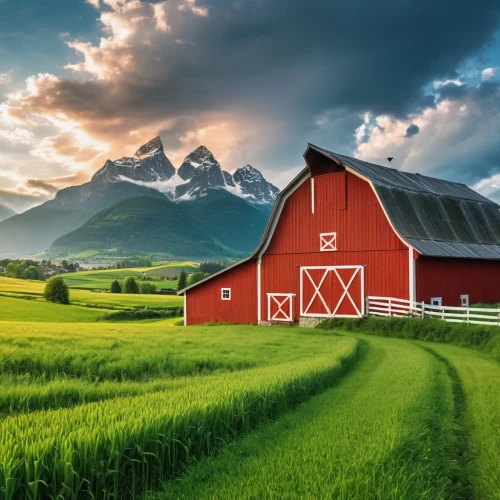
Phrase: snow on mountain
pixel 254 186
pixel 208 175
pixel 229 179
pixel 199 172
pixel 193 160
pixel 149 164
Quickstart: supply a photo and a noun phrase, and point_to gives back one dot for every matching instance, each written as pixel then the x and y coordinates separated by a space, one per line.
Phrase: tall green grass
pixel 118 448
pixel 385 431
pixel 480 379
pixel 482 338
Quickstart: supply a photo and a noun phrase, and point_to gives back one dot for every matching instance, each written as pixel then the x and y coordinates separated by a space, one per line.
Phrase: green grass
pixel 34 289
pixel 127 410
pixel 102 279
pixel 480 380
pixel 483 338
pixel 385 432
pixel 37 311
pixel 120 447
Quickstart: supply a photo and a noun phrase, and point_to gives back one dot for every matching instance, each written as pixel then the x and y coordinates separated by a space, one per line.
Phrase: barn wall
pixel 450 278
pixel 344 204
pixel 204 304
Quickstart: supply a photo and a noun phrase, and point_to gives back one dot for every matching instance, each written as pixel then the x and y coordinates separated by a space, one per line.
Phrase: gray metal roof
pixel 436 217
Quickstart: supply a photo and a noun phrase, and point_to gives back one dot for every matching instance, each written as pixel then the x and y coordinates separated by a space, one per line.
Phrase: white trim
pixel 312 195
pixel 259 287
pixel 304 270
pixel 275 297
pixel 278 214
pixel 222 290
pixel 328 242
pixel 185 309
pixel 412 275
pixel 438 300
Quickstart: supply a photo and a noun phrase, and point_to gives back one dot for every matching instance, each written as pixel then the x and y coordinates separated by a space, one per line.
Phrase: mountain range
pixel 5 213
pixel 144 203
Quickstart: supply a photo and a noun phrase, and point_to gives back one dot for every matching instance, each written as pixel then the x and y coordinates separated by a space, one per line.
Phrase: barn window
pixel 437 301
pixel 225 293
pixel 328 242
pixel 464 300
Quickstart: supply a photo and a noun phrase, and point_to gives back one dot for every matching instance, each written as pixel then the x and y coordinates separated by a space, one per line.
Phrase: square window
pixel 464 300
pixel 437 301
pixel 328 242
pixel 225 293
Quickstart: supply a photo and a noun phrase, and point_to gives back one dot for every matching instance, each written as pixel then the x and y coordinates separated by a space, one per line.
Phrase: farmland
pixel 160 411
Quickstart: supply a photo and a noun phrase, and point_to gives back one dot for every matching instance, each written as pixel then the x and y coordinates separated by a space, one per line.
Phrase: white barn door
pixel 332 291
pixel 280 307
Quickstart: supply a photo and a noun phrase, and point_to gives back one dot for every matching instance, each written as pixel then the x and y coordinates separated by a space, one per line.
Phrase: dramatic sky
pixel 253 80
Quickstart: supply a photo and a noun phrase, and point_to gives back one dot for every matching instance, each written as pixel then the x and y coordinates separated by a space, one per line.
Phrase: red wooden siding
pixel 450 278
pixel 204 303
pixel 344 204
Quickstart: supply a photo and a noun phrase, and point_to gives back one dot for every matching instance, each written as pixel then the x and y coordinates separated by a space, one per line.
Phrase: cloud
pixel 269 75
pixel 190 5
pixel 489 73
pixel 457 138
pixel 5 78
pixel 412 130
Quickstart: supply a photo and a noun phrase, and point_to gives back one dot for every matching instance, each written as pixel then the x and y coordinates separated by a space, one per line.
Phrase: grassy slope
pixel 480 380
pixel 35 311
pixel 118 448
pixel 34 289
pixel 103 279
pixel 384 432
pixel 52 365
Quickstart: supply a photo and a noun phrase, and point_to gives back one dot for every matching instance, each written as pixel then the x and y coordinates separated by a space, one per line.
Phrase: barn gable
pixel 437 218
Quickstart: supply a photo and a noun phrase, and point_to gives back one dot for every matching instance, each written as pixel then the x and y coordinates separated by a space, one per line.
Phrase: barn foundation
pixel 309 322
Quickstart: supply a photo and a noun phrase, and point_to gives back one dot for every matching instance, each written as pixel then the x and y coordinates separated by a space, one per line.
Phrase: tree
pixel 182 281
pixel 147 288
pixel 31 273
pixel 195 277
pixel 130 285
pixel 56 291
pixel 11 270
pixel 115 287
pixel 64 264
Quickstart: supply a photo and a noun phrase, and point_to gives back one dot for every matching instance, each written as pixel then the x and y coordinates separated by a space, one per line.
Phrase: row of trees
pixel 212 267
pixel 34 269
pixel 185 280
pixel 130 285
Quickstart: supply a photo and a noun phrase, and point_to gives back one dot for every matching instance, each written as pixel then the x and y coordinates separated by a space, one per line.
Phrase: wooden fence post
pixel 367 308
pixel 423 309
pixel 390 307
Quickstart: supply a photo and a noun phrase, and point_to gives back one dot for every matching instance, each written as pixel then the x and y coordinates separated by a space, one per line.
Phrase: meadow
pixel 154 410
pixel 101 280
pixel 33 291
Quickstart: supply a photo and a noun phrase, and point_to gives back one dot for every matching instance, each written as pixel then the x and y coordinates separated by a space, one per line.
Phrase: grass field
pixel 17 288
pixel 93 280
pixel 157 411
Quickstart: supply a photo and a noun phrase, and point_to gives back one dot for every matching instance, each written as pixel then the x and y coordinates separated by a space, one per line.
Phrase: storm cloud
pixel 254 80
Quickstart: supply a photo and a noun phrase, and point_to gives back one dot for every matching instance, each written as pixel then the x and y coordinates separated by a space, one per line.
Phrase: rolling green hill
pixel 5 213
pixel 233 221
pixel 36 229
pixel 158 225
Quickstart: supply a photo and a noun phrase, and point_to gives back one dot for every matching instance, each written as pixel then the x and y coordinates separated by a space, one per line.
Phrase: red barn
pixel 344 229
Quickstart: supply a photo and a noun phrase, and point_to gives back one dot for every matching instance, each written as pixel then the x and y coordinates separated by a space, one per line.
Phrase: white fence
pixel 389 306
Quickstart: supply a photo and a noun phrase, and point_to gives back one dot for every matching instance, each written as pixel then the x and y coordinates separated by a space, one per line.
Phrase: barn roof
pixel 436 217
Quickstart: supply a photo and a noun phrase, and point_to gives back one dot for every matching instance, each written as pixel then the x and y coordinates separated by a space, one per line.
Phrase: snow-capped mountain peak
pixel 151 148
pixel 254 186
pixel 149 164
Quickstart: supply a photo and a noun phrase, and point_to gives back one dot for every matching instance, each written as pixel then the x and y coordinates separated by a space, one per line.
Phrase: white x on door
pixel 328 291
pixel 279 306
